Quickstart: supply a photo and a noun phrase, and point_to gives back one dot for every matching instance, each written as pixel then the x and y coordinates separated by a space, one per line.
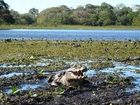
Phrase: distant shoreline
pixel 76 27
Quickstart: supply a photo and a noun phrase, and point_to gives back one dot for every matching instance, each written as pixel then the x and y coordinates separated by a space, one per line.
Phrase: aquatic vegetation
pixel 15 90
pixel 59 90
pixel 102 64
pixel 21 51
pixel 114 79
pixel 41 72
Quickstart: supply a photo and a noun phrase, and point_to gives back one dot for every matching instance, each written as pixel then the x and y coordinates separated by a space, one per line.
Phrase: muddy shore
pixel 112 84
pixel 113 76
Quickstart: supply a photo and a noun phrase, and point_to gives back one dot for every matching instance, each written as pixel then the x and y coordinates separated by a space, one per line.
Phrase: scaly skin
pixel 70 77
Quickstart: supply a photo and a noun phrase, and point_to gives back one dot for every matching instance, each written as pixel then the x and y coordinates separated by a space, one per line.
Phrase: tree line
pixel 93 15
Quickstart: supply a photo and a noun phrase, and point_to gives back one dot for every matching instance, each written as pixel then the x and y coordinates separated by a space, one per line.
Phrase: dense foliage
pixel 92 15
pixel 5 16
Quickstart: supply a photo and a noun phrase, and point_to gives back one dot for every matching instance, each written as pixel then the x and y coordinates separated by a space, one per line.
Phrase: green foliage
pixel 136 20
pixel 41 72
pixel 89 15
pixel 27 19
pixel 16 16
pixel 34 12
pixel 5 16
pixel 3 5
pixel 15 90
pixel 92 15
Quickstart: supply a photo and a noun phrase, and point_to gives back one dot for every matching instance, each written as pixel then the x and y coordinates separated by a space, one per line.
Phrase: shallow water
pixel 29 86
pixel 8 65
pixel 12 74
pixel 123 70
pixel 90 73
pixel 136 88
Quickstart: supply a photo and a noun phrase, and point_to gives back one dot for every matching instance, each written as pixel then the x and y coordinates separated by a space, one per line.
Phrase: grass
pixel 69 27
pixel 28 51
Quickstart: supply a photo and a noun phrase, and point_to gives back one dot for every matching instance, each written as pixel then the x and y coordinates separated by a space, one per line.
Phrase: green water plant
pixel 27 51
pixel 15 90
pixel 41 72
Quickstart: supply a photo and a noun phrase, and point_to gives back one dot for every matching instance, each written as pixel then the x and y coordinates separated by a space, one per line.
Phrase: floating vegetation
pixel 26 52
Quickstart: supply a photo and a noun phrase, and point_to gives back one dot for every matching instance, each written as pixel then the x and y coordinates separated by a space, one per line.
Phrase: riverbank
pixel 78 27
pixel 112 76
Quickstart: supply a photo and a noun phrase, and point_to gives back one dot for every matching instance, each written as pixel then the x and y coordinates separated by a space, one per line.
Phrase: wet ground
pixel 117 83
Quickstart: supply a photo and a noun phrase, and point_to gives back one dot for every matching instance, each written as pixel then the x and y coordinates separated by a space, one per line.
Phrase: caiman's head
pixel 77 70
pixel 73 74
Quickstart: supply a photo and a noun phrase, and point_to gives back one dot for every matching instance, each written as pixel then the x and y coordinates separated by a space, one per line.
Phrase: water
pixel 136 88
pixel 123 70
pixel 8 65
pixel 12 74
pixel 90 73
pixel 29 86
pixel 70 34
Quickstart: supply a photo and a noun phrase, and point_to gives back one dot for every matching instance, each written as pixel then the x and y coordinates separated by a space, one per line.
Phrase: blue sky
pixel 23 6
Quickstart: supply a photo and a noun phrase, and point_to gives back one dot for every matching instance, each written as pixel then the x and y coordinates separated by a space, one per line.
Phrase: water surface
pixel 70 34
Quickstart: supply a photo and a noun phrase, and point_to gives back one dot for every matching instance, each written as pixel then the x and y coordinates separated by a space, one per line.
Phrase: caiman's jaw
pixel 77 73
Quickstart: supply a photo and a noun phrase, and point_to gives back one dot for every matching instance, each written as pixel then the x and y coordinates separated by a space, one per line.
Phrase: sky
pixel 23 6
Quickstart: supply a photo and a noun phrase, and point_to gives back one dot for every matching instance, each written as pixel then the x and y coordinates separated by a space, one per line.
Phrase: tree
pixel 124 15
pixel 3 5
pixel 106 15
pixel 106 6
pixel 54 16
pixel 90 7
pixel 120 6
pixel 80 15
pixel 5 16
pixel 16 16
pixel 34 12
pixel 95 15
pixel 27 19
pixel 136 20
pixel 3 8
